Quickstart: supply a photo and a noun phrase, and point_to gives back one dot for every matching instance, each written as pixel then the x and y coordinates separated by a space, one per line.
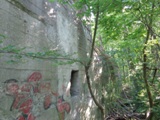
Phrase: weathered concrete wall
pixel 36 89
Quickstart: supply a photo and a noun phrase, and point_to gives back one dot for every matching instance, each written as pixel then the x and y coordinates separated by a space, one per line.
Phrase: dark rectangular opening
pixel 74 90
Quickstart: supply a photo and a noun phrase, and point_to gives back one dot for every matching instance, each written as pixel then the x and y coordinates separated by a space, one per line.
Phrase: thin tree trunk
pixel 92 95
pixel 87 67
pixel 145 76
pixel 149 33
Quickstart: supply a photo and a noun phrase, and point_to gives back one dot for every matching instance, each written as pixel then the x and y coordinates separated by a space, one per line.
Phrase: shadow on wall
pixel 24 97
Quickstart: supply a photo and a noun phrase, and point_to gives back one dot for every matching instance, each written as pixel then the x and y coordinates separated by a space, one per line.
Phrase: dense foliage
pixel 128 30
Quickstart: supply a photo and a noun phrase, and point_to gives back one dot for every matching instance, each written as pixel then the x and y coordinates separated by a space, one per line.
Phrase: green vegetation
pixel 127 34
pixel 128 31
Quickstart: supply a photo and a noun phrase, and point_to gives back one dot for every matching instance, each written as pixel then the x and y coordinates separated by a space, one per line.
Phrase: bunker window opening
pixel 74 89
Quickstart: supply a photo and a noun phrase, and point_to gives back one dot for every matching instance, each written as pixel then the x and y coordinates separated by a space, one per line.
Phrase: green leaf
pixel 2 36
pixel 51 0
